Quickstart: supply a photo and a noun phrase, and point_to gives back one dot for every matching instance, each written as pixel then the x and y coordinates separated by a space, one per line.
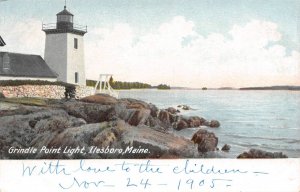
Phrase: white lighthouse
pixel 64 49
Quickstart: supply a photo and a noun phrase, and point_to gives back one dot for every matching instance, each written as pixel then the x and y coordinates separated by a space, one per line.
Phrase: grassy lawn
pixel 26 101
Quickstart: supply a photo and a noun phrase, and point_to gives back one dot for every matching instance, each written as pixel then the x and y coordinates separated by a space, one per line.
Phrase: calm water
pixel 268 120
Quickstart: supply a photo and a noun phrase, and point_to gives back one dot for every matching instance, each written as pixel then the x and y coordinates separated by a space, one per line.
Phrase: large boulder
pixel 158 144
pixel 134 103
pixel 138 104
pixel 172 110
pixel 34 129
pixel 103 99
pixel 181 124
pixel 99 134
pixel 214 124
pixel 138 117
pixel 207 141
pixel 195 121
pixel 164 117
pixel 260 154
pixel 90 112
pixel 154 110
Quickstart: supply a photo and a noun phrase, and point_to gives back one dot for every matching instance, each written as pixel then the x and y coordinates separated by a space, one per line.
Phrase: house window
pixel 6 62
pixel 76 77
pixel 75 43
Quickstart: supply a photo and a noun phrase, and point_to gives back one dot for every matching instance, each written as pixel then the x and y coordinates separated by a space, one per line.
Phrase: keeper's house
pixel 15 66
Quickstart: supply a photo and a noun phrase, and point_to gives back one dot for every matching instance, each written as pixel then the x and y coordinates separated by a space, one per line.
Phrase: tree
pixel 111 81
pixel 163 86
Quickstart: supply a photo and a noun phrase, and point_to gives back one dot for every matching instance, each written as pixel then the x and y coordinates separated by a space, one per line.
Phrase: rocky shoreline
pixel 101 126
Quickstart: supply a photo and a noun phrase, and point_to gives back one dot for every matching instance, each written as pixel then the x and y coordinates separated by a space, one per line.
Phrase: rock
pixel 181 124
pixel 195 121
pixel 184 107
pixel 2 95
pixel 214 124
pixel 226 148
pixel 114 134
pixel 134 103
pixel 152 122
pixel 154 110
pixel 82 136
pixel 172 110
pixel 206 123
pixel 173 118
pixel 207 141
pixel 139 117
pixel 164 117
pixel 90 112
pixel 137 104
pixel 32 123
pixel 100 121
pixel 134 116
pixel 34 129
pixel 100 99
pixel 9 109
pixel 260 154
pixel 159 144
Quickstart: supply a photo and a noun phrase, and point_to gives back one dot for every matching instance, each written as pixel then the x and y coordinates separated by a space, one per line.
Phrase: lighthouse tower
pixel 64 48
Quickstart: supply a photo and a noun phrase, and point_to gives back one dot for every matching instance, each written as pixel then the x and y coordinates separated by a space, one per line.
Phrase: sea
pixel 266 120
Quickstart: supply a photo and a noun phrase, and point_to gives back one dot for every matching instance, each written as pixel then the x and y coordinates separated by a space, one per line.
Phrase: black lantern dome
pixel 64 24
pixel 64 19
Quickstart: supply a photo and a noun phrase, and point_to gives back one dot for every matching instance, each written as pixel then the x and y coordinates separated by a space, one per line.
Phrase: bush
pixel 70 92
pixel 32 82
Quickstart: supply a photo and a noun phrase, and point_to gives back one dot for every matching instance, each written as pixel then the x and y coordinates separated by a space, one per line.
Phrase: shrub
pixel 70 91
pixel 32 82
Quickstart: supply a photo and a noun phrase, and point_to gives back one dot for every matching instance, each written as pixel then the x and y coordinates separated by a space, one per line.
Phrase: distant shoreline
pixel 271 88
pixel 219 89
pixel 287 88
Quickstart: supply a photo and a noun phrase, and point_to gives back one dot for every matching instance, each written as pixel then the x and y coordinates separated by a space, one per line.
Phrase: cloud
pixel 23 36
pixel 174 53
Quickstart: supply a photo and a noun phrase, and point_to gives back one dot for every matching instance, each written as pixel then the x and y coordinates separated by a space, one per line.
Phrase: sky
pixel 187 43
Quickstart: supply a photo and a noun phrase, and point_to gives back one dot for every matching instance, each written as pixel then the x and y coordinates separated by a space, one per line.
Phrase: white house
pixel 64 48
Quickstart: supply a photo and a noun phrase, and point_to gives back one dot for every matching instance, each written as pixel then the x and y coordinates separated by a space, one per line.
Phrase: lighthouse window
pixel 75 43
pixel 64 18
pixel 76 77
